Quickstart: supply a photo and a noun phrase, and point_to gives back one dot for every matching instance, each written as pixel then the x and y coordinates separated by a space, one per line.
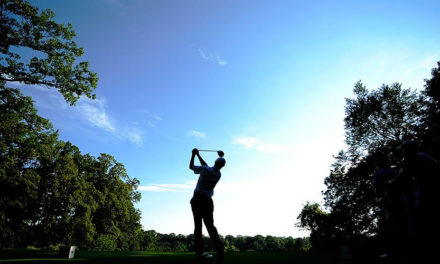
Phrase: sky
pixel 264 81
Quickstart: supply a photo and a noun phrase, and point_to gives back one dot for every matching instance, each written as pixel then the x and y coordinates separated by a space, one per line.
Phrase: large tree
pixel 380 118
pixel 51 194
pixel 430 127
pixel 24 137
pixel 376 123
pixel 53 62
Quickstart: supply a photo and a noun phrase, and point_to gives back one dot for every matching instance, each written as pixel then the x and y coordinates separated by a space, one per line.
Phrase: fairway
pixel 133 257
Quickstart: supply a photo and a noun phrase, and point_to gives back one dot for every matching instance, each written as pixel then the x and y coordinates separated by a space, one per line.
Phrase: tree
pixel 54 65
pixel 430 127
pixel 272 244
pixel 302 244
pixel 432 86
pixel 376 123
pixel 59 191
pixel 148 240
pixel 51 194
pixel 383 117
pixel 24 136
pixel 314 219
pixel 114 192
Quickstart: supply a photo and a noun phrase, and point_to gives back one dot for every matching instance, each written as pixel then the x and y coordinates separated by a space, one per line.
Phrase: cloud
pixel 186 187
pixel 150 124
pixel 196 134
pixel 94 111
pixel 260 145
pixel 90 112
pixel 134 137
pixel 154 116
pixel 204 55
pixel 221 61
pixel 210 56
pixel 246 142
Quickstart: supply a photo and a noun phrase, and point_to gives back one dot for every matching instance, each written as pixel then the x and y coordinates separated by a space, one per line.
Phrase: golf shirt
pixel 209 176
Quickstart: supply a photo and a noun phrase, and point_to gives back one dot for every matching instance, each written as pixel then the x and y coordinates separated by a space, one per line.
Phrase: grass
pixel 137 257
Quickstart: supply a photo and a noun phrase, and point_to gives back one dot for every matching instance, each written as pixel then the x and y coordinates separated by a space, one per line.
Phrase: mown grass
pixel 138 257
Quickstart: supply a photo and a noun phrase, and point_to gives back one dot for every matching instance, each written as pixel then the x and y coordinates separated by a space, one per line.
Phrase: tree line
pixel 152 241
pixel 377 123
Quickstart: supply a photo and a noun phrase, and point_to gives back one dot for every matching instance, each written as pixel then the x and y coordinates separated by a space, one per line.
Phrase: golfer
pixel 202 205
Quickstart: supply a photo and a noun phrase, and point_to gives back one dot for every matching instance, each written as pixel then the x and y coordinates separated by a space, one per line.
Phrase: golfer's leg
pixel 208 219
pixel 198 239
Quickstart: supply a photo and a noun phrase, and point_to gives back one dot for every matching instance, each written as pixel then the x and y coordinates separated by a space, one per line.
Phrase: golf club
pixel 219 152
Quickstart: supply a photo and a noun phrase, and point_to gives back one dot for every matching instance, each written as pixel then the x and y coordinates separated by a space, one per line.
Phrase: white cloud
pixel 196 134
pixel 221 61
pixel 154 116
pixel 134 137
pixel 169 187
pixel 210 56
pixel 94 111
pixel 150 124
pixel 260 145
pixel 87 111
pixel 204 55
pixel 247 142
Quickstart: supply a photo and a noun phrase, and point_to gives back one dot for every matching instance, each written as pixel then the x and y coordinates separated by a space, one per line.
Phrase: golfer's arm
pixel 191 162
pixel 201 160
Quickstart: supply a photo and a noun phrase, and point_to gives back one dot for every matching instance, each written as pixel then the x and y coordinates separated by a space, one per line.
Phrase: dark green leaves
pixel 381 117
pixel 54 64
pixel 50 193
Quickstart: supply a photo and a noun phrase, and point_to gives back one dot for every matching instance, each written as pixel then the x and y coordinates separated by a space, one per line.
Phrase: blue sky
pixel 265 81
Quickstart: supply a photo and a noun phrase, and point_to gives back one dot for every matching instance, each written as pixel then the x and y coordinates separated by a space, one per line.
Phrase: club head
pixel 220 153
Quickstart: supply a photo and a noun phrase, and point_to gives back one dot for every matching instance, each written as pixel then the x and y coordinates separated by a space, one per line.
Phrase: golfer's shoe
pixel 205 257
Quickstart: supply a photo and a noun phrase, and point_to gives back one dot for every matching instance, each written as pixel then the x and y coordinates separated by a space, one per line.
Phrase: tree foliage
pixel 430 130
pixel 379 118
pixel 53 62
pixel 52 194
pixel 377 122
pixel 153 241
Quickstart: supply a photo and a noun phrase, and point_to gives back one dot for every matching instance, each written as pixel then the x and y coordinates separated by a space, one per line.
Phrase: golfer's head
pixel 220 163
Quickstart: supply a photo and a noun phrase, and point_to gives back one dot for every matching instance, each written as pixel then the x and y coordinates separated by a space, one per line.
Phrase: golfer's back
pixel 208 179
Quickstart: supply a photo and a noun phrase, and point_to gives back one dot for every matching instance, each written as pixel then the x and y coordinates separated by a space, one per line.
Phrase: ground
pixel 134 257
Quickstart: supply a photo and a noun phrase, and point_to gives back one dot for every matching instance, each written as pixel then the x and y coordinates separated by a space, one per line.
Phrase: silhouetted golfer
pixel 202 205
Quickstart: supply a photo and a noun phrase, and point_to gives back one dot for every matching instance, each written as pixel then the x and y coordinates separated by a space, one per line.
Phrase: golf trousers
pixel 203 209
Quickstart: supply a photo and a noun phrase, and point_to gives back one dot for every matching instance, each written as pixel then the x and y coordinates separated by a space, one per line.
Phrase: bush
pixel 105 243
